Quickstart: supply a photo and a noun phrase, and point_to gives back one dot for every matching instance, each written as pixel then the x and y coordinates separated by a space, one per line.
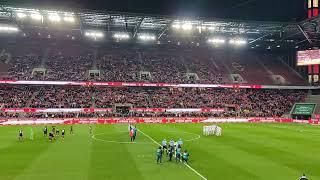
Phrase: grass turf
pixel 245 151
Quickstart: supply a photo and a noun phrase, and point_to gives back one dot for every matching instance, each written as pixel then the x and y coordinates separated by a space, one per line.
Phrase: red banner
pixel 130 84
pixel 90 110
pixel 140 120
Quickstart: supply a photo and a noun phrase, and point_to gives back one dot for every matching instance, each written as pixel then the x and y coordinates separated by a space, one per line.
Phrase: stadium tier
pixel 147 64
pixel 148 101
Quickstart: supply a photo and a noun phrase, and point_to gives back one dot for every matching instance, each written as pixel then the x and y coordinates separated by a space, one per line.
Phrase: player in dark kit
pixel 159 155
pixel 71 130
pixel 170 152
pixel 57 132
pixel 45 131
pixel 62 133
pixel 20 135
pixel 134 133
pixel 178 154
pixel 51 136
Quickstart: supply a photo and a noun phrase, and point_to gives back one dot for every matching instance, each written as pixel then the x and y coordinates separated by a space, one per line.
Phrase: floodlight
pixel 211 28
pixel 217 41
pixel 94 34
pixel 8 29
pixel 201 27
pixel 36 16
pixel 186 26
pixel 13 29
pixel 98 34
pixel 121 36
pixel 147 37
pixel 176 26
pixel 21 15
pixel 54 18
pixel 69 19
pixel 238 41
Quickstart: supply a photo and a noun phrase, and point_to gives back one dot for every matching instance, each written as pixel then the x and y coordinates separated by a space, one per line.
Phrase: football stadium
pixel 105 95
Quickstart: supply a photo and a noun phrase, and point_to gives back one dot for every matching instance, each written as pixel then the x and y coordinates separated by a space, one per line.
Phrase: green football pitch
pixel 244 151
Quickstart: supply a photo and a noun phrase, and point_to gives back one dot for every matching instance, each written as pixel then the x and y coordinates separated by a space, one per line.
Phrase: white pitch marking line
pixel 183 163
pixel 193 139
pixel 117 142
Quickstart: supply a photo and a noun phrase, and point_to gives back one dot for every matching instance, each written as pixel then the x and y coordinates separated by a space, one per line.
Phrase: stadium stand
pixel 124 64
pixel 244 102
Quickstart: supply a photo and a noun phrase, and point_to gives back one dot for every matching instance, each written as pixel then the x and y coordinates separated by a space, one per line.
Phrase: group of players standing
pixel 52 134
pixel 173 149
pixel 55 132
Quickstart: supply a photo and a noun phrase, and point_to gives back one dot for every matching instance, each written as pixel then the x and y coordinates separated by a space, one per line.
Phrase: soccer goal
pixel 212 130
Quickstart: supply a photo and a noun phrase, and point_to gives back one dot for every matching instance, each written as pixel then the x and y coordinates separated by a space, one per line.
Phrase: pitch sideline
pixel 200 175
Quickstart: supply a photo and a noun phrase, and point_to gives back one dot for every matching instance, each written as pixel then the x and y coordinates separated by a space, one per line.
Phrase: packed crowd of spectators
pixel 116 64
pixel 53 97
pixel 62 68
pixel 20 67
pixel 15 97
pixel 246 102
pixel 157 64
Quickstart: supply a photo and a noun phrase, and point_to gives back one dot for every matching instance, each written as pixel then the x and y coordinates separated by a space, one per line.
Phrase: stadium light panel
pixel 186 26
pixel 176 26
pixel 217 41
pixel 21 15
pixel 211 28
pixel 238 42
pixel 54 17
pixel 121 36
pixel 36 16
pixel 94 34
pixel 69 19
pixel 8 29
pixel 147 37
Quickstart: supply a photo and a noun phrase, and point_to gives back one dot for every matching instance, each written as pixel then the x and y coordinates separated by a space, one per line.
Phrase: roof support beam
pixel 305 34
pixel 136 29
pixel 259 38
pixel 164 30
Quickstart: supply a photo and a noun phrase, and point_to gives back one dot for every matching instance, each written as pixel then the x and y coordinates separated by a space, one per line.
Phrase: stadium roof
pixel 261 34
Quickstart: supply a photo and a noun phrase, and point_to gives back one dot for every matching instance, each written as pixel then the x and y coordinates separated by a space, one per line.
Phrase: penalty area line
pixel 195 171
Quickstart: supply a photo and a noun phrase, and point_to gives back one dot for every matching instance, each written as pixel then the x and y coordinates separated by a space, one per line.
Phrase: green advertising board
pixel 303 109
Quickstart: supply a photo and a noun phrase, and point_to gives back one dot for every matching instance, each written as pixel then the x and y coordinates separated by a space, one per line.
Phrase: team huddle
pixel 172 149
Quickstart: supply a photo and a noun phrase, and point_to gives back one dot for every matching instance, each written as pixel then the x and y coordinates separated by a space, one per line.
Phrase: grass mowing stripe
pixel 184 163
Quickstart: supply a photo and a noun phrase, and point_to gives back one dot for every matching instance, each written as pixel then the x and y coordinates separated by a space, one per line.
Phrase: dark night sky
pixel 271 10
